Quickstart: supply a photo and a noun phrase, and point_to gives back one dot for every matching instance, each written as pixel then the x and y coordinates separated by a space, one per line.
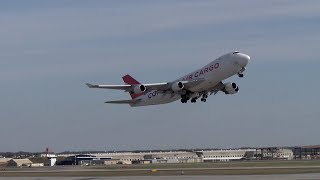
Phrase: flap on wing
pixel 219 87
pixel 118 87
pixel 131 101
pixel 157 86
pixel 190 84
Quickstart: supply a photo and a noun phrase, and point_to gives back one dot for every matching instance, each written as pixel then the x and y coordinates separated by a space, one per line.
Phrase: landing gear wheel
pixel 203 99
pixel 184 100
pixel 193 100
pixel 240 75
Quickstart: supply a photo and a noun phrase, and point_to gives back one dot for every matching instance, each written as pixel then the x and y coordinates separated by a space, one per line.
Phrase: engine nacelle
pixel 139 89
pixel 231 88
pixel 177 86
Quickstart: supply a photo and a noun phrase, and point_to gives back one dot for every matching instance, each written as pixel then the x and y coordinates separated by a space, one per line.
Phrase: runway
pixel 73 172
pixel 244 170
pixel 219 177
pixel 63 169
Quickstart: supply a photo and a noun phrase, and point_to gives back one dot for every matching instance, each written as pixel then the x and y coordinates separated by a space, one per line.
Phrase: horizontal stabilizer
pixel 131 101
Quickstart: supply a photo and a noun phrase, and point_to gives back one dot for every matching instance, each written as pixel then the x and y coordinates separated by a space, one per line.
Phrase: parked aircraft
pixel 198 84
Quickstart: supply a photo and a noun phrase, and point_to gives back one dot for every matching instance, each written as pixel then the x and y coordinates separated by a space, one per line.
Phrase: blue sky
pixel 50 49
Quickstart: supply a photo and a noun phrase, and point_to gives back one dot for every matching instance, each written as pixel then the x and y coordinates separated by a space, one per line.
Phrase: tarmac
pixel 314 176
pixel 283 170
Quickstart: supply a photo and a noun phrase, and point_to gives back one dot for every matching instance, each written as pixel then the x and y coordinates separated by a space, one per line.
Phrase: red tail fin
pixel 131 81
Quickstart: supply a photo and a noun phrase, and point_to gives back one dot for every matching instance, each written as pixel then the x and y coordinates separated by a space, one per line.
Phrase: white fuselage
pixel 221 68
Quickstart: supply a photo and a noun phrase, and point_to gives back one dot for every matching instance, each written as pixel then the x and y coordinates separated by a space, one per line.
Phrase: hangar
pixel 19 162
pixel 306 152
pixel 84 159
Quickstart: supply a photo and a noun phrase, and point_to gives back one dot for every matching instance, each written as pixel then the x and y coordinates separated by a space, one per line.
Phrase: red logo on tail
pixel 131 81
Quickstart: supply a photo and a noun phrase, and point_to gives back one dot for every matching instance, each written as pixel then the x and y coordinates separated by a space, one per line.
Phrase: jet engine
pixel 231 88
pixel 177 86
pixel 139 89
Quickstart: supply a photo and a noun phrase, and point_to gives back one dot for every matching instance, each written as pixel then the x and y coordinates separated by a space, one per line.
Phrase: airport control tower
pixel 52 157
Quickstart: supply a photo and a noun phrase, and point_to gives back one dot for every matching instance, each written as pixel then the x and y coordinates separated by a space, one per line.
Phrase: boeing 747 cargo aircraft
pixel 195 85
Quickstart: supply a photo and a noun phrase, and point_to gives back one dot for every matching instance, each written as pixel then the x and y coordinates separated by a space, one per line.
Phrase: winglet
pixel 91 86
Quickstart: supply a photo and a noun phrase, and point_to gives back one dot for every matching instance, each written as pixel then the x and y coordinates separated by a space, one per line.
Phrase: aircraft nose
pixel 244 59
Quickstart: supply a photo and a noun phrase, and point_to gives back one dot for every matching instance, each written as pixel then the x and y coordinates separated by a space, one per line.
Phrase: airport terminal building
pixel 223 155
pixel 156 157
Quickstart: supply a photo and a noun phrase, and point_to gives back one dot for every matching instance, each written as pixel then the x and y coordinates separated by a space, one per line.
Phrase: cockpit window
pixel 236 52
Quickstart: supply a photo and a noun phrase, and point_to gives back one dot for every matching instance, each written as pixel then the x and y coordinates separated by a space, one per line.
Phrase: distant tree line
pixel 19 155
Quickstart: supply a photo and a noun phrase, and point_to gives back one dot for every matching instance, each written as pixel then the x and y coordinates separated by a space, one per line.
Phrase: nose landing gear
pixel 240 73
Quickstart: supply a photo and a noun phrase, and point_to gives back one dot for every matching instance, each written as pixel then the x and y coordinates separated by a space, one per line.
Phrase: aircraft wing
pixel 131 101
pixel 127 87
pixel 219 87
pixel 154 86
pixel 117 87
pixel 190 84
pixel 167 85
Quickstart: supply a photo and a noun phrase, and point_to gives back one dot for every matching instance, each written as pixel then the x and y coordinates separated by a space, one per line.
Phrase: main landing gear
pixel 204 98
pixel 184 98
pixel 193 100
